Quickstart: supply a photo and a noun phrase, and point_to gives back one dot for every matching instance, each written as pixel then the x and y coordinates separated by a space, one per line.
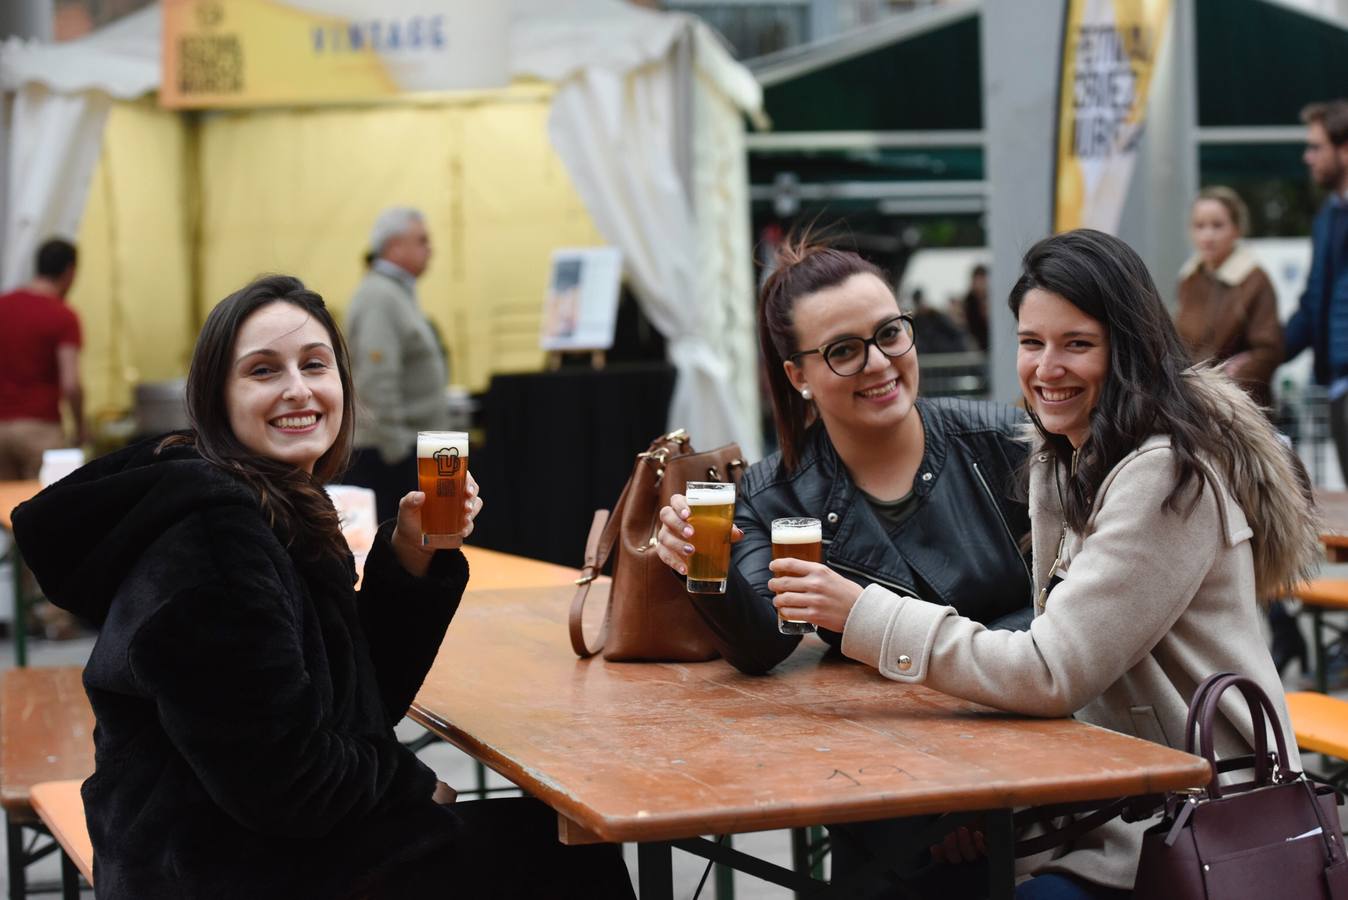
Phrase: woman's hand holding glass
pixel 407 544
pixel 812 592
pixel 672 541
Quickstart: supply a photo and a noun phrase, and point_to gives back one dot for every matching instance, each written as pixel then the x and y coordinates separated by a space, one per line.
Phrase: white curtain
pixel 53 147
pixel 620 130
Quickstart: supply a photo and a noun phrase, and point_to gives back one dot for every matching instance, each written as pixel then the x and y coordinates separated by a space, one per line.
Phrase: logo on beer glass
pixel 447 461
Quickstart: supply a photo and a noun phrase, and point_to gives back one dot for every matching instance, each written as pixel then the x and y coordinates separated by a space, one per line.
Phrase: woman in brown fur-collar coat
pixel 1228 310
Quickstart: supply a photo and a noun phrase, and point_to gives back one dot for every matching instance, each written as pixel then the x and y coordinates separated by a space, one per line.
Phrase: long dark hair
pixel 803 267
pixel 1146 391
pixel 293 500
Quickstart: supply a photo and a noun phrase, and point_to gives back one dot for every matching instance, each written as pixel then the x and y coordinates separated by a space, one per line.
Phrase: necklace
pixel 1041 601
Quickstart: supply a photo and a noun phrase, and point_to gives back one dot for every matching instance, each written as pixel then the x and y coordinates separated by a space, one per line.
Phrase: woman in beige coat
pixel 1163 505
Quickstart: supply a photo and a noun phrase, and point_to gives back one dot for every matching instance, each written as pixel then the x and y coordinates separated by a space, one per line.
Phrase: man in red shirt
pixel 39 364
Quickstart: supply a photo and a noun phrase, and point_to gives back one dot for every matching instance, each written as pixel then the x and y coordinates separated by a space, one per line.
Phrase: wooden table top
pixel 658 751
pixel 46 731
pixel 61 808
pixel 494 570
pixel 12 493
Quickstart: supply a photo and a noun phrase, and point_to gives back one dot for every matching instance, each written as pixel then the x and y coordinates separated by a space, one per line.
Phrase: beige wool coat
pixel 1151 602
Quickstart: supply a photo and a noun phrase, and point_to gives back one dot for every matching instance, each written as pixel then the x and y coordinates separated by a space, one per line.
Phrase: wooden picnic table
pixel 661 753
pixel 1333 509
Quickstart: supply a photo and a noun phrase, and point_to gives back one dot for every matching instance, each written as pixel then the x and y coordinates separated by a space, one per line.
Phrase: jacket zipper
pixel 892 585
pixel 1015 545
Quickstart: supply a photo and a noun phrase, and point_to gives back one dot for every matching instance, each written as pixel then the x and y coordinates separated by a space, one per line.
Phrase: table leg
pixel 18 877
pixel 70 878
pixel 1321 663
pixel 725 876
pixel 20 606
pixel 999 831
pixel 655 871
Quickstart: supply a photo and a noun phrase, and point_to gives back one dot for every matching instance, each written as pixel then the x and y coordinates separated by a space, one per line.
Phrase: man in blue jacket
pixel 1321 321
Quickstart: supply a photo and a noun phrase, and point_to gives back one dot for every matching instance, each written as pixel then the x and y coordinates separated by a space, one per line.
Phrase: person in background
pixel 397 360
pixel 891 476
pixel 976 306
pixel 1321 320
pixel 1228 310
pixel 933 330
pixel 1164 509
pixel 39 365
pixel 245 691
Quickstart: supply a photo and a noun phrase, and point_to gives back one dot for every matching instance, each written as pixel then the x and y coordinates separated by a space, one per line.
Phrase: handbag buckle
pixel 586 579
pixel 678 435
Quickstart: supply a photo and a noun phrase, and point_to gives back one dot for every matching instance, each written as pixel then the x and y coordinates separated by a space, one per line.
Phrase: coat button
pixel 905 663
pixel 832 518
pixel 1043 457
pixel 926 476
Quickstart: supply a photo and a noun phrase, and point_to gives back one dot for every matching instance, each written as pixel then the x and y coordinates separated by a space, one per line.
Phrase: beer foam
pixel 428 442
pixel 710 496
pixel 797 534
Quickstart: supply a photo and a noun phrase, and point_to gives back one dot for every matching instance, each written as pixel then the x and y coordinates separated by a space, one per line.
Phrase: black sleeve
pixel 405 617
pixel 226 666
pixel 744 622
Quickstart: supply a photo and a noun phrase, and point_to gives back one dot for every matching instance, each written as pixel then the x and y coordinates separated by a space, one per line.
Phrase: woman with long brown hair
pixel 245 691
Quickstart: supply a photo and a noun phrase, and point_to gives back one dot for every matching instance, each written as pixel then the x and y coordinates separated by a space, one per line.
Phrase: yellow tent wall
pixel 296 191
pixel 133 286
pixel 220 197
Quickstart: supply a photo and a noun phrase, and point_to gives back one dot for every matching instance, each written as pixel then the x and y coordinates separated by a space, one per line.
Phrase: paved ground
pixel 458 770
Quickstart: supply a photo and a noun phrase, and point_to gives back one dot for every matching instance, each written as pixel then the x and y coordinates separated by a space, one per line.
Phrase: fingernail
pixel 683 514
pixel 688 532
pixel 683 570
pixel 687 548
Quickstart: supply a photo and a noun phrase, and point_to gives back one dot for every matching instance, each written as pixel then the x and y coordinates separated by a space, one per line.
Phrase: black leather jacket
pixel 961 546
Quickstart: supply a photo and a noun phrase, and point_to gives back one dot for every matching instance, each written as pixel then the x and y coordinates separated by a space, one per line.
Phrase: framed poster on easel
pixel 580 309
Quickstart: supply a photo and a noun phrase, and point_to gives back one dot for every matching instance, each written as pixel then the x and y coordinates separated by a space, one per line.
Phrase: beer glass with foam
pixel 711 513
pixel 797 538
pixel 442 475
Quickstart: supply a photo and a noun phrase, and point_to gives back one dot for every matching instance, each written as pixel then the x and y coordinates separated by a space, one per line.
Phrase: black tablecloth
pixel 558 446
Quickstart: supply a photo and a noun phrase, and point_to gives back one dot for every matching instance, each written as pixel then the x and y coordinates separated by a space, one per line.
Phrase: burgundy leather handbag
pixel 649 615
pixel 1275 836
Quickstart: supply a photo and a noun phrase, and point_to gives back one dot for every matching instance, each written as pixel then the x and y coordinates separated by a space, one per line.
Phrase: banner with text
pixel 1109 55
pixel 241 53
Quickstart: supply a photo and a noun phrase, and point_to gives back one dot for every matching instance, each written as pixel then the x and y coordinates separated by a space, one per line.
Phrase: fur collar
pixel 1264 478
pixel 1232 272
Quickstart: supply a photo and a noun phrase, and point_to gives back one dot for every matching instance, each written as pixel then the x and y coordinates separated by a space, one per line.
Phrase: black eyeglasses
pixel 847 356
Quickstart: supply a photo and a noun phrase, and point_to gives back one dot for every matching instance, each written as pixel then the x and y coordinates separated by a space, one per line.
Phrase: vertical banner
pixel 240 53
pixel 1109 52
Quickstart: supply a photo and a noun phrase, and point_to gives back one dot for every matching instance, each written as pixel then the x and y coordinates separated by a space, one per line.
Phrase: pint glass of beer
pixel 798 539
pixel 711 507
pixel 442 475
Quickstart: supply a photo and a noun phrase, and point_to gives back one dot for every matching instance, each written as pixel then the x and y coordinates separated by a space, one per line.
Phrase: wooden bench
pixel 1317 597
pixel 1320 723
pixel 46 734
pixel 59 805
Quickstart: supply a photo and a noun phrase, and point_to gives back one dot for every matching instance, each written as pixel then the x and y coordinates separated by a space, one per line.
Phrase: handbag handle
pixel 1203 709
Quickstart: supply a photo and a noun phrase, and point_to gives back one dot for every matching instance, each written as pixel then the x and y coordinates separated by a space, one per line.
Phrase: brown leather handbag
pixel 649 615
pixel 1275 836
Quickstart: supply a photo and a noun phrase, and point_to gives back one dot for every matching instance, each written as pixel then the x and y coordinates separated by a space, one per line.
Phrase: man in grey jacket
pixel 397 361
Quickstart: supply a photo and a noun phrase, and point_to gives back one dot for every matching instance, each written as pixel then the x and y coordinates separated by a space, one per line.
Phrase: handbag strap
pixel 597 547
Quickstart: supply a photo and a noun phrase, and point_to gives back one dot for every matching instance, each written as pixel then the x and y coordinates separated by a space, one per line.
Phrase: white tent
pixel 647 119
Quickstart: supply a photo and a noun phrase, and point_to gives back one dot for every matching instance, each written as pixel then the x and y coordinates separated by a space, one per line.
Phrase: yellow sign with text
pixel 246 53
pixel 1109 55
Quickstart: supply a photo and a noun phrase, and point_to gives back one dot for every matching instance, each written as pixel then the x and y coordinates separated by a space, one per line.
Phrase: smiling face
pixel 284 392
pixel 1213 230
pixel 1062 363
pixel 882 394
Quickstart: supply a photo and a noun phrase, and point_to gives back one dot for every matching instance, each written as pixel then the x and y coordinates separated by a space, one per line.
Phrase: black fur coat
pixel 245 694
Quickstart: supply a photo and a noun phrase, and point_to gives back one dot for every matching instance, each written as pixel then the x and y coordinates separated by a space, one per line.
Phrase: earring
pixel 806 394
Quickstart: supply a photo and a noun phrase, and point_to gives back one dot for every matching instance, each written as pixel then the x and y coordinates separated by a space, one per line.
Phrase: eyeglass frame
pixel 866 344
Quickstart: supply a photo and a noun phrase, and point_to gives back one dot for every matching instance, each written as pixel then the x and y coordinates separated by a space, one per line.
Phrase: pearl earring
pixel 806 394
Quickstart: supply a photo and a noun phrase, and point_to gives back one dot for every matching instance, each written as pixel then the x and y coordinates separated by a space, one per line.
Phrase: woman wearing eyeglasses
pixel 896 481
